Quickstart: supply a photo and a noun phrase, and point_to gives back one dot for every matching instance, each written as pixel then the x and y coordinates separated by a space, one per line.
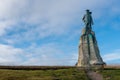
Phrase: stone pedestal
pixel 89 55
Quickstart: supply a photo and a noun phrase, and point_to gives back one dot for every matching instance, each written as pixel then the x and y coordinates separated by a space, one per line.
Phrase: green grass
pixel 111 74
pixel 60 74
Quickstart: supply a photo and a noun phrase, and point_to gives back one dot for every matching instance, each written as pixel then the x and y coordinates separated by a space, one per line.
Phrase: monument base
pixel 89 55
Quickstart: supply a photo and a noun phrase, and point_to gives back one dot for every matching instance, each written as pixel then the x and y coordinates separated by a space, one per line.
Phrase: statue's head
pixel 87 11
pixel 90 12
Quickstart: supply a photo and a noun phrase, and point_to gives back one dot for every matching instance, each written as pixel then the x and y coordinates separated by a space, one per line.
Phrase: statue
pixel 89 54
pixel 87 19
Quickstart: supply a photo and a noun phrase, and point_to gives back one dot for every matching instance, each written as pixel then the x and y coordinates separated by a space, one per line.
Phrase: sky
pixel 47 32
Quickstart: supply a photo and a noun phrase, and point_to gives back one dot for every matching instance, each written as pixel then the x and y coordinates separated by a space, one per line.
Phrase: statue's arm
pixel 92 21
pixel 83 19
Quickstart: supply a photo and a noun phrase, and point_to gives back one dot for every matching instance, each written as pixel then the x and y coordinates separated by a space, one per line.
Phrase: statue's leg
pixel 90 27
pixel 86 29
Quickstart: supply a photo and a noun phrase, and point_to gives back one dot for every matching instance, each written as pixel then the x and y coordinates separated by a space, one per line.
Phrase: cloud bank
pixel 46 32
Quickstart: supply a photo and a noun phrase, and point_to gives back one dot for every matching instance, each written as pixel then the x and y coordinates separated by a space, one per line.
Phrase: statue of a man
pixel 87 19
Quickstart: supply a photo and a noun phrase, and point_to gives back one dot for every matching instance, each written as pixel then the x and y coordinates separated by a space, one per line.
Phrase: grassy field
pixel 111 74
pixel 60 74
pixel 53 73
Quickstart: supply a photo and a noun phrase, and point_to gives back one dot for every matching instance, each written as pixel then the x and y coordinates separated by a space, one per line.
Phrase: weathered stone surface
pixel 89 54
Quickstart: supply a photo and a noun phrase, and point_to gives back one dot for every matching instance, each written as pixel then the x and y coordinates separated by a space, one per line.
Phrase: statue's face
pixel 87 12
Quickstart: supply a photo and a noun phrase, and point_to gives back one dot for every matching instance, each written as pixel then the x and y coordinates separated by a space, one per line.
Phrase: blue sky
pixel 47 32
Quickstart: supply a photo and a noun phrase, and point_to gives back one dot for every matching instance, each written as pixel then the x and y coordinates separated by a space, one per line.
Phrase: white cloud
pixel 49 17
pixel 9 55
pixel 12 9
pixel 4 25
pixel 111 57
pixel 47 54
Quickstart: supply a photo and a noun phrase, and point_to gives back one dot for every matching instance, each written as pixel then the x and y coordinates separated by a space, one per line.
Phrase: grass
pixel 111 74
pixel 54 73
pixel 60 74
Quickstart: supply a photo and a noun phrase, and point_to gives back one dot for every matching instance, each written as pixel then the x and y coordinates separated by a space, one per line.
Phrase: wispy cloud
pixel 113 56
pixel 48 17
pixel 9 55
pixel 49 54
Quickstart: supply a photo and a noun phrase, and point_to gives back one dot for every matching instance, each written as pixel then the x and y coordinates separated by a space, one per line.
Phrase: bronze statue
pixel 87 19
pixel 89 54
